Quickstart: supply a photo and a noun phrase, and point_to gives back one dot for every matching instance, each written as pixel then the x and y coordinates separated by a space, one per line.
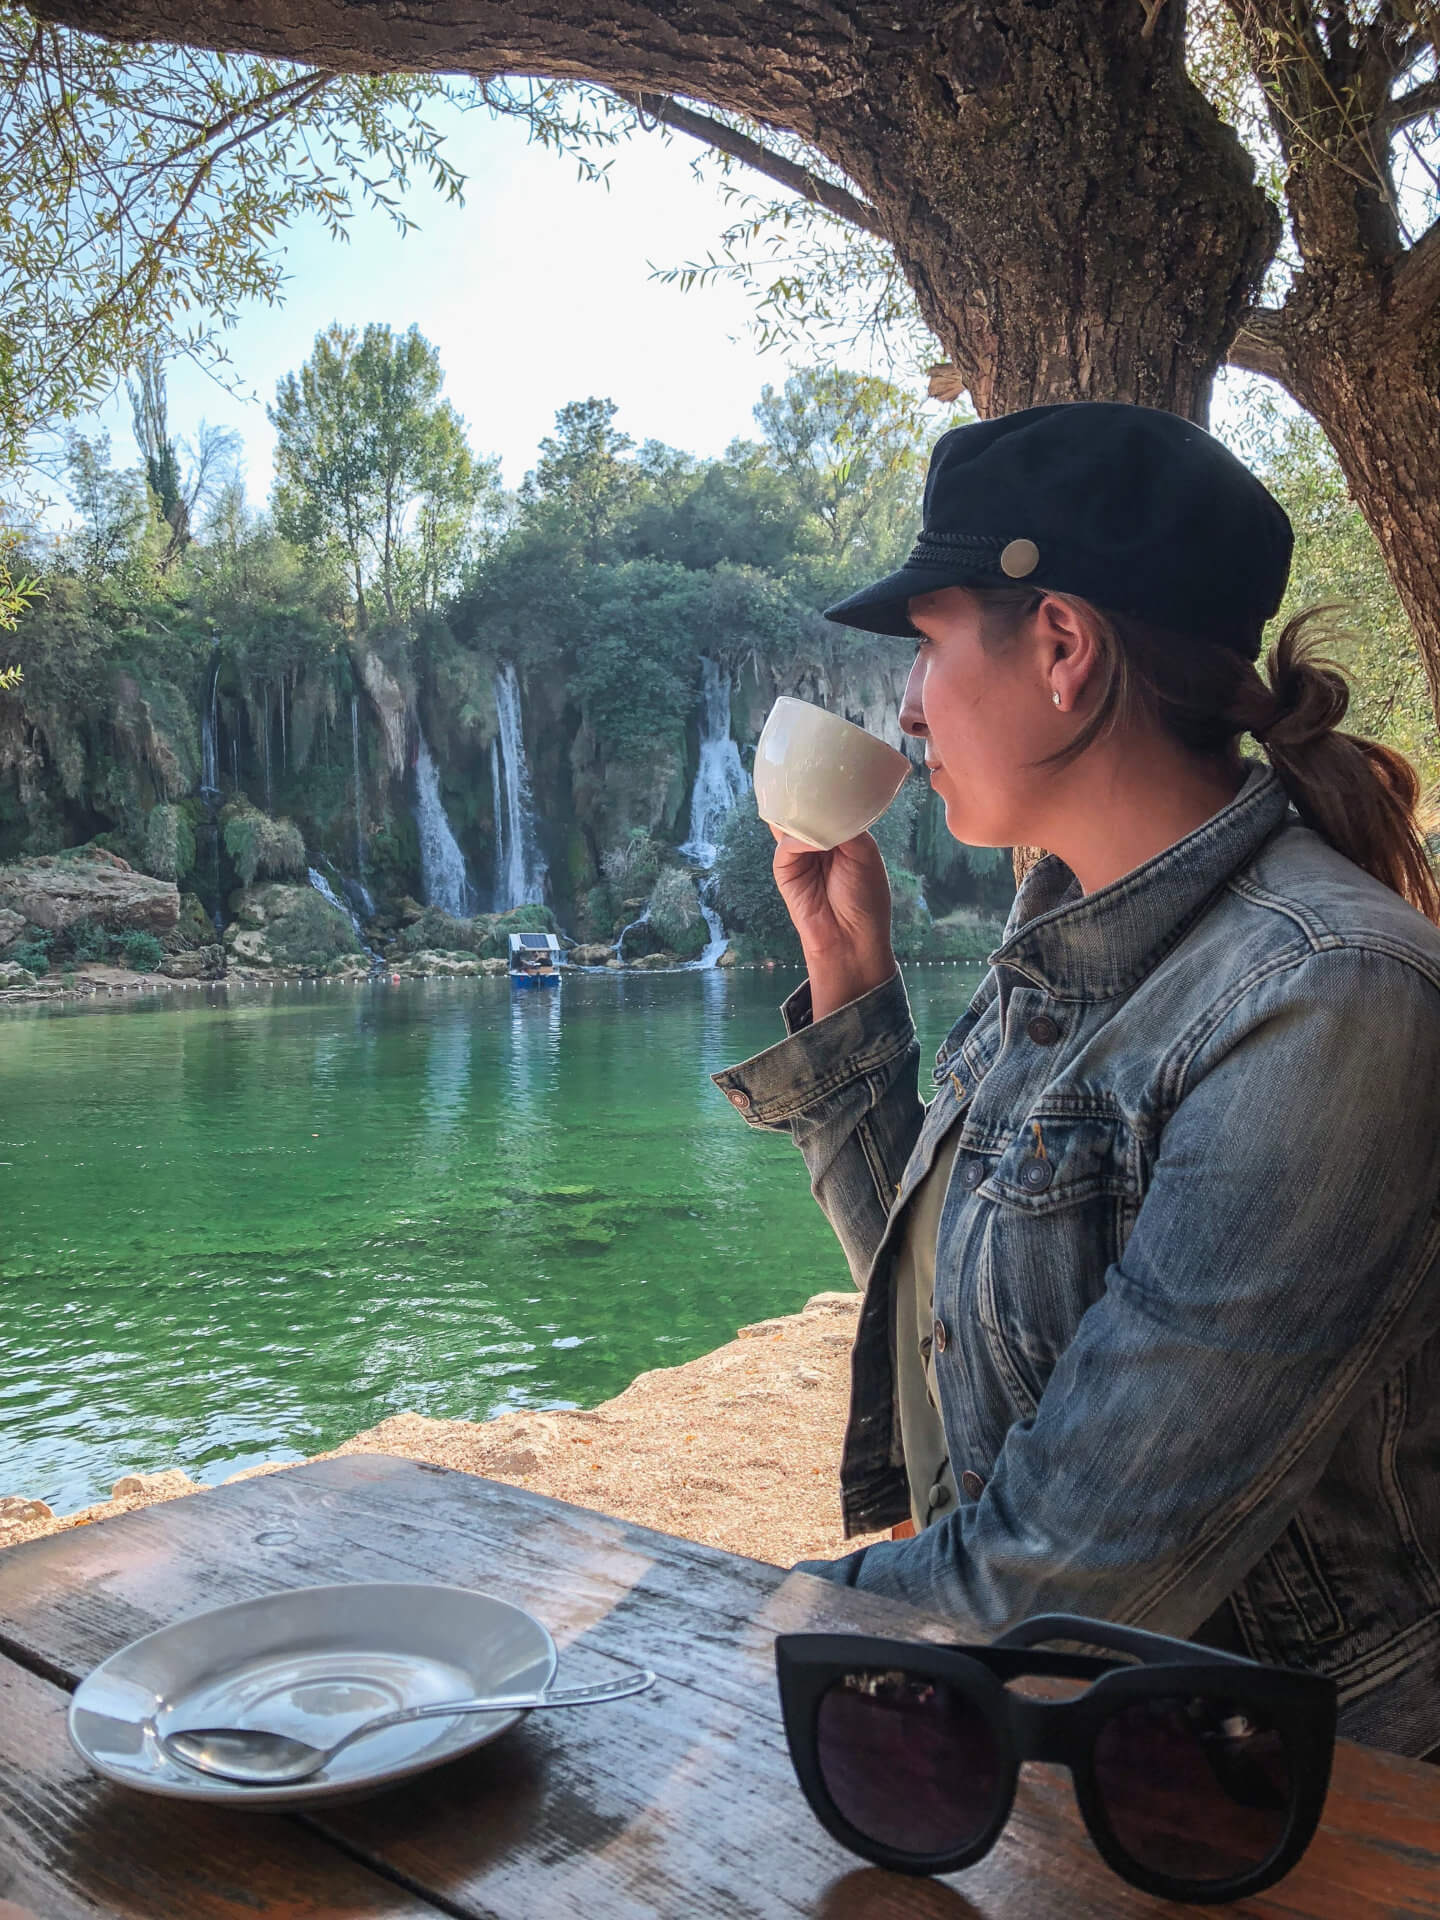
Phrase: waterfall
pixel 719 783
pixel 520 872
pixel 265 730
pixel 209 736
pixel 719 779
pixel 442 865
pixel 323 887
pixel 620 943
pixel 359 792
pixel 718 940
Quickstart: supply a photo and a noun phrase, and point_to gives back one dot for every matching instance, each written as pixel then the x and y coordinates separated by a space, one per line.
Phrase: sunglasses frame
pixel 1302 1708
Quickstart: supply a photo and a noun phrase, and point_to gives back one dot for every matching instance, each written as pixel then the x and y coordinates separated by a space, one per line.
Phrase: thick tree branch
pixel 1259 346
pixel 715 133
pixel 1413 105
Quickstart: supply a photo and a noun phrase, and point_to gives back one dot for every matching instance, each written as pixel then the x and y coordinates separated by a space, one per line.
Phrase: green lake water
pixel 243 1225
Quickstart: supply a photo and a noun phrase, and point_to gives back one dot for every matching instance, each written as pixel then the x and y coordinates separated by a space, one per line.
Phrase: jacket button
pixel 940 1336
pixel 1036 1175
pixel 1043 1030
pixel 971 1485
pixel 973 1172
pixel 939 1496
pixel 738 1097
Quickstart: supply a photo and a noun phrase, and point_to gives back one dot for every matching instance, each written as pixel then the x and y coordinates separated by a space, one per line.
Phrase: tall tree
pixel 182 491
pixel 372 463
pixel 852 450
pixel 583 479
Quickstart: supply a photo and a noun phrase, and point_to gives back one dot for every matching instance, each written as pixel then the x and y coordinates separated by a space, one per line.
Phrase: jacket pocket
pixel 1063 1196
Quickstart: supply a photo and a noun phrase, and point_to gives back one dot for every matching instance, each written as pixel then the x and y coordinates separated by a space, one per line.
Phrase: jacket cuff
pixel 819 1056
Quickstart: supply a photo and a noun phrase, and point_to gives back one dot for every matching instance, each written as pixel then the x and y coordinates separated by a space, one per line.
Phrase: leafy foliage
pixel 144 189
pixel 372 466
pixel 140 951
pixel 169 842
pixel 259 845
pixel 675 914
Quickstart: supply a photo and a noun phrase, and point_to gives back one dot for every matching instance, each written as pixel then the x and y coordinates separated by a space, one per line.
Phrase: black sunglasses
pixel 1200 1775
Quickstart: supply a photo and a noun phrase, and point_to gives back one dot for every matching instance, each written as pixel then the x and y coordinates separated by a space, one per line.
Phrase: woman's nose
pixel 912 710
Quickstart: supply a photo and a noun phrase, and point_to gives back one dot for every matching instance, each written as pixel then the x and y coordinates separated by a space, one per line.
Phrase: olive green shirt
pixel 922 1432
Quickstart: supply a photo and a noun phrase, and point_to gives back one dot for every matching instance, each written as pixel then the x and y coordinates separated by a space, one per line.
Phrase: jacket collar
pixel 1081 946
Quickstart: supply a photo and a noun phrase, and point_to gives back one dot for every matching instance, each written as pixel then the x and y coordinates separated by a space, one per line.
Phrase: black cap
pixel 1135 510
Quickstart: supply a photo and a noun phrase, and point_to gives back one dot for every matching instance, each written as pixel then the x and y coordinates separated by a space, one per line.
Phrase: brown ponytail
pixel 1357 794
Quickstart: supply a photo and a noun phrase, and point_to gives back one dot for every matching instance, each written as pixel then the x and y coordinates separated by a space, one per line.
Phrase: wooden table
pixel 678 1804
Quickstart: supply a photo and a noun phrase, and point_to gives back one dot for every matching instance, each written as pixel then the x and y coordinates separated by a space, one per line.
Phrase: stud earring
pixel 1056 696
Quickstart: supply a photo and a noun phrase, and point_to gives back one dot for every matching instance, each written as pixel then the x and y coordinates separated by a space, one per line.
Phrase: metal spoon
pixel 256 1758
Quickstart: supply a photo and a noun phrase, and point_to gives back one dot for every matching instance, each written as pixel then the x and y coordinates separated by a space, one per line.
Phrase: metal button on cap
pixel 971 1484
pixel 738 1097
pixel 1036 1175
pixel 1019 558
pixel 940 1336
pixel 973 1172
pixel 1043 1030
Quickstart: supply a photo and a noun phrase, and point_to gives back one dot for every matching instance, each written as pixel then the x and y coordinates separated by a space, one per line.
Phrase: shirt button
pixel 738 1097
pixel 971 1485
pixel 1043 1030
pixel 1036 1175
pixel 973 1172
pixel 940 1336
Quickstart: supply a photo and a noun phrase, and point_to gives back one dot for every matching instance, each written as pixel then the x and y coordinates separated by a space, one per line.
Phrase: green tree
pixel 372 464
pixel 583 481
pixel 114 508
pixel 852 451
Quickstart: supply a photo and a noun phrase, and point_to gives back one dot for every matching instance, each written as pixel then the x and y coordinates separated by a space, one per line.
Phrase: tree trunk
pixel 1379 403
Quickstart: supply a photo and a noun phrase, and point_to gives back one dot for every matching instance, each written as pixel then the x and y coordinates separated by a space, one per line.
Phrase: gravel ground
pixel 739 1449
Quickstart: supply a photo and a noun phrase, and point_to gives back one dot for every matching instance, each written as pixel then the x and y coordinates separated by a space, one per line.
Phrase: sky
pixel 537 292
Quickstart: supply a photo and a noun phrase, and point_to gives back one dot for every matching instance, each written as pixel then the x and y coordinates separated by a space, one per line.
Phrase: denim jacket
pixel 1187 1296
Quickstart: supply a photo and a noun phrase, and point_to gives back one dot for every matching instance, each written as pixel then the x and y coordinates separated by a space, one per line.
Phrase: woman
pixel 1152 1318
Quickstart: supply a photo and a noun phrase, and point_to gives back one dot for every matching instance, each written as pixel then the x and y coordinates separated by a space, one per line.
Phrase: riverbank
pixel 739 1449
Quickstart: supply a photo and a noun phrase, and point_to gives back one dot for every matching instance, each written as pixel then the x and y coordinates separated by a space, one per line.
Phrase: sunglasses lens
pixel 909 1762
pixel 1194 1788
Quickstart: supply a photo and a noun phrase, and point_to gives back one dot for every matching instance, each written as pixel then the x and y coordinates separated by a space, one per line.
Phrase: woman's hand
pixel 839 903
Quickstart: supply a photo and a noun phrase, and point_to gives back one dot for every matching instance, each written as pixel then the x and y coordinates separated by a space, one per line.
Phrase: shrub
pixel 169 843
pixel 88 941
pixel 258 844
pixel 140 951
pixel 310 932
pixel 33 952
pixel 746 894
pixel 675 914
pixel 633 867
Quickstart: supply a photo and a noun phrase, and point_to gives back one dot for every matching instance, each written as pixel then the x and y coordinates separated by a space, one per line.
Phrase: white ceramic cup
pixel 821 779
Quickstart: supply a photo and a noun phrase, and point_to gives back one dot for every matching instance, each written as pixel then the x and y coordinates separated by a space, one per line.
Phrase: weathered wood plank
pixel 72 1847
pixel 681 1801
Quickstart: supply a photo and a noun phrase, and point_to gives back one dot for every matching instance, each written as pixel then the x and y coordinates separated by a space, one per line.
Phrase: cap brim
pixel 881 608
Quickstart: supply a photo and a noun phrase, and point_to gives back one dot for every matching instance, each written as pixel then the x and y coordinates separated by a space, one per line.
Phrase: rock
pixel 17 1511
pixel 54 890
pixel 648 962
pixel 199 963
pixel 12 925
pixel 167 1484
pixel 349 966
pixel 597 954
pixel 408 910
pixel 494 966
pixel 727 958
pixel 14 976
pixel 279 925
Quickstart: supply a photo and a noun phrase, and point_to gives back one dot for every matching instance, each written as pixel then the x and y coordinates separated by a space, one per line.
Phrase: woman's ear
pixel 1066 651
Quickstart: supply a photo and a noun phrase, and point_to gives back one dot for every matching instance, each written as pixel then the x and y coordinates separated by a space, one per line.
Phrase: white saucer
pixel 313 1663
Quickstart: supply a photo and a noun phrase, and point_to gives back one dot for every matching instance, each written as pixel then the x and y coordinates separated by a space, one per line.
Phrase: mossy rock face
pixel 13 977
pixel 292 927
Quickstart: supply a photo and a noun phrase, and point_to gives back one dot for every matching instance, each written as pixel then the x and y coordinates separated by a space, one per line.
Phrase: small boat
pixel 534 960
